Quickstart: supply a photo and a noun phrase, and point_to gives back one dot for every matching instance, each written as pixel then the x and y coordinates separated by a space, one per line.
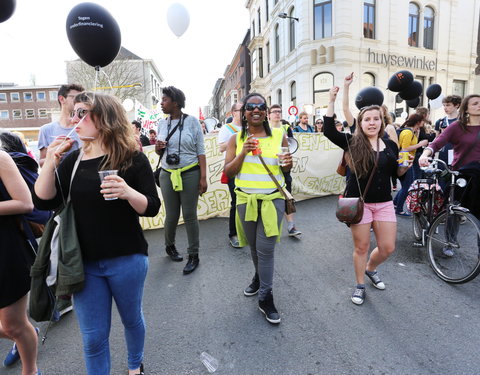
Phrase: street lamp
pixel 285 15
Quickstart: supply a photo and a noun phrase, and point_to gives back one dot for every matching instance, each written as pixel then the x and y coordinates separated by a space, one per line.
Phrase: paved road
pixel 418 325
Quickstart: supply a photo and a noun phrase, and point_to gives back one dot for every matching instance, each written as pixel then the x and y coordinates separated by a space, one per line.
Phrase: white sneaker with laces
pixel 294 232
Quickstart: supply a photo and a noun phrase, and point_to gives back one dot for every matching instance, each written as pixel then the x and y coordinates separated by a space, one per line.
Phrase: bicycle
pixel 452 236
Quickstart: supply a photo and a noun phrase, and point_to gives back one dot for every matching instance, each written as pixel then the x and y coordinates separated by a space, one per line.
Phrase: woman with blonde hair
pixel 366 153
pixel 113 247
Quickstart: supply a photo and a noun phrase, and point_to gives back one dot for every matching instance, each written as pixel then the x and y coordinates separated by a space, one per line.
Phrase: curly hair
pixel 175 94
pixel 266 126
pixel 115 131
pixel 360 145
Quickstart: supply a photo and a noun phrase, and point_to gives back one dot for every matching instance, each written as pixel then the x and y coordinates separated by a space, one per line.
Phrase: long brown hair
pixel 360 145
pixel 463 116
pixel 115 131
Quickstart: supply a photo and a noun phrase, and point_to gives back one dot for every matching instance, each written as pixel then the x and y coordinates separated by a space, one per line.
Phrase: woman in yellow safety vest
pixel 260 206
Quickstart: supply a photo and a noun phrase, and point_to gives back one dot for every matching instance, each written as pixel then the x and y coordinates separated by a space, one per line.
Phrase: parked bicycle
pixel 450 232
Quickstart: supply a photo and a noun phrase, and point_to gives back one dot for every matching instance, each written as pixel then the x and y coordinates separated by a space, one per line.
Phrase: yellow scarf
pixel 176 176
pixel 268 212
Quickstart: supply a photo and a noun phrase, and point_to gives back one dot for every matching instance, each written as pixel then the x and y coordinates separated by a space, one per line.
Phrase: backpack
pixel 36 219
pixel 401 129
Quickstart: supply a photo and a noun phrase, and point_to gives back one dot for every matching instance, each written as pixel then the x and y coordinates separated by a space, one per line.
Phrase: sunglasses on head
pixel 252 106
pixel 80 112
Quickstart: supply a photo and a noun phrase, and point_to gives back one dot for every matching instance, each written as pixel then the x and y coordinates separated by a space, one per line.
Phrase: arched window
pixel 368 79
pixel 291 28
pixel 293 93
pixel 277 43
pixel 428 27
pixel 321 85
pixel 413 17
pixel 279 96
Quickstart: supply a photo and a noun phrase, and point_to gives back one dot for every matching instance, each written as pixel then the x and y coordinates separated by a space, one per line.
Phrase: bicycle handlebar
pixel 437 170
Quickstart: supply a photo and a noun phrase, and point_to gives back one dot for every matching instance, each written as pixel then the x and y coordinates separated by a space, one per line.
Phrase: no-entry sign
pixel 293 110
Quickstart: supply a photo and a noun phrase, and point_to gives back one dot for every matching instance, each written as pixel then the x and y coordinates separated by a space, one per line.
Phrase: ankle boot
pixel 173 253
pixel 254 286
pixel 192 263
pixel 267 307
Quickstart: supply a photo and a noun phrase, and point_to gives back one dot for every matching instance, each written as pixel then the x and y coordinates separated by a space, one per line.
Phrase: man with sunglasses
pixel 63 126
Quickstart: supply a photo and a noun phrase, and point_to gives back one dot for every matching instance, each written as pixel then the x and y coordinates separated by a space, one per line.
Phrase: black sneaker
pixel 253 288
pixel 268 309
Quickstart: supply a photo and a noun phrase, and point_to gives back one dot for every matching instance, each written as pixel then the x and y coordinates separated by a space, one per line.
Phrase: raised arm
pixel 346 100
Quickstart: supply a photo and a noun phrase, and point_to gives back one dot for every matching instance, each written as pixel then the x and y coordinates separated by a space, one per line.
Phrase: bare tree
pixel 122 78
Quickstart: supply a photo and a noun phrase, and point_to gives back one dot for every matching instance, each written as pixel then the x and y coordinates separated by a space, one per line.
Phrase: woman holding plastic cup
pixel 260 206
pixel 107 214
pixel 408 144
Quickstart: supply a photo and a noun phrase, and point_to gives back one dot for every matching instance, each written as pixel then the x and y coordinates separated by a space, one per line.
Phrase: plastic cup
pixel 281 156
pixel 258 150
pixel 103 174
pixel 209 362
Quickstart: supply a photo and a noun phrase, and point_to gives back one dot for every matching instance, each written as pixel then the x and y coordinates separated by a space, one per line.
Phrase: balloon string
pixel 108 79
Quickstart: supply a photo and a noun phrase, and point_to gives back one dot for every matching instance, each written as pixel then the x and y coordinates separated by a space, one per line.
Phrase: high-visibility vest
pixel 253 178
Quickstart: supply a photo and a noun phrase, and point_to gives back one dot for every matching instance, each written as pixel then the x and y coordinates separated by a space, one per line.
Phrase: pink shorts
pixel 378 212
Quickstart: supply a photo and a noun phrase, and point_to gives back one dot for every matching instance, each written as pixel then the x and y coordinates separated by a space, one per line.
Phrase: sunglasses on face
pixel 252 106
pixel 319 122
pixel 80 112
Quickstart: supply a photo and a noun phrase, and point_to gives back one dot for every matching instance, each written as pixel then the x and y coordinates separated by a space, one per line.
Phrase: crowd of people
pixel 93 135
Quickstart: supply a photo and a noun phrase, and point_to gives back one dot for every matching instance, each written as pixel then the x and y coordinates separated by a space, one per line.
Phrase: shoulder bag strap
pixel 180 122
pixel 280 189
pixel 74 170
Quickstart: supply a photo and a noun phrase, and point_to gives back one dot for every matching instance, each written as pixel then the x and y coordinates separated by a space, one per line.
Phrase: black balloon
pixel 413 103
pixel 93 34
pixel 392 115
pixel 368 96
pixel 7 7
pixel 413 91
pixel 434 91
pixel 400 81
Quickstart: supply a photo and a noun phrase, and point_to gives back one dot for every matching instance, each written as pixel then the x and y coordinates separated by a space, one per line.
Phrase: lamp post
pixel 285 15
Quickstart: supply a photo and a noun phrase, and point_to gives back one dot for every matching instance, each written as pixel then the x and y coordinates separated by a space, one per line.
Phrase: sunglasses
pixel 252 106
pixel 319 122
pixel 80 112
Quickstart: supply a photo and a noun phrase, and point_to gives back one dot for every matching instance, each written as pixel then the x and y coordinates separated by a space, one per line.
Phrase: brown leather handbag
pixel 350 209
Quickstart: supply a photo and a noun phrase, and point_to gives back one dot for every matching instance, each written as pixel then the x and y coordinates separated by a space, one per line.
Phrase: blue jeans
pixel 121 278
pixel 406 180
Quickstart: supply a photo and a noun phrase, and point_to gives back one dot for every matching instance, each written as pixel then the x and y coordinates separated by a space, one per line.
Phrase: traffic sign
pixel 292 110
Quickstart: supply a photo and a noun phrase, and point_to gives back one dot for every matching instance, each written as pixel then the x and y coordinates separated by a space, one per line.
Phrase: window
pixel 369 19
pixel 368 79
pixel 459 88
pixel 322 19
pixel 279 96
pixel 17 114
pixel 413 17
pixel 259 21
pixel 267 48
pixel 277 44
pixel 41 97
pixel 14 97
pixel 291 27
pixel 321 85
pixel 269 101
pixel 260 62
pixel 254 65
pixel 3 115
pixel 53 96
pixel 293 93
pixel 3 97
pixel 428 27
pixel 29 113
pixel 27 97
pixel 266 10
pixel 275 2
pixel 42 113
pixel 253 29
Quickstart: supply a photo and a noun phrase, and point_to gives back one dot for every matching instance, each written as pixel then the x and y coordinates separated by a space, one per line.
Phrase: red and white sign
pixel 293 110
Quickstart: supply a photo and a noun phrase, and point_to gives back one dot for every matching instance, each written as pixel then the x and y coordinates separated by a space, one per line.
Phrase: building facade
pixel 301 48
pixel 27 107
pixel 130 76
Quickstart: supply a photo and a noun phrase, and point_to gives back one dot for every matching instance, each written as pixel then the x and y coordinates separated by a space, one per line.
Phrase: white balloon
pixel 128 104
pixel 437 102
pixel 178 19
pixel 404 115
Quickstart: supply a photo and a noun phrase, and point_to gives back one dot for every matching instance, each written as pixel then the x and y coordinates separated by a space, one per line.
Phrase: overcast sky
pixel 34 41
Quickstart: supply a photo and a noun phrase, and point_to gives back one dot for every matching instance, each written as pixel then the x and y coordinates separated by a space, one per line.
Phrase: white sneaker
pixel 294 232
pixel 377 283
pixel 358 296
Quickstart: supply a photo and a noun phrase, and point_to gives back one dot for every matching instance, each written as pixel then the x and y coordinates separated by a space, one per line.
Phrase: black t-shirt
pixel 106 229
pixel 380 189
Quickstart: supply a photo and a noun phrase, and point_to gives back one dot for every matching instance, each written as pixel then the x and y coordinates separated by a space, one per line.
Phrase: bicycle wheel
pixel 453 244
pixel 419 223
